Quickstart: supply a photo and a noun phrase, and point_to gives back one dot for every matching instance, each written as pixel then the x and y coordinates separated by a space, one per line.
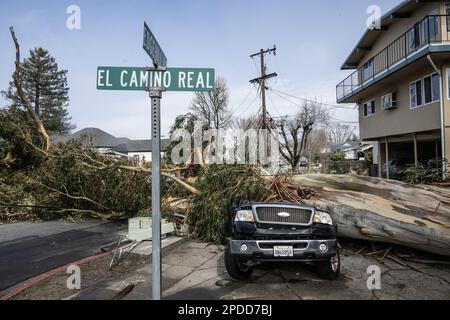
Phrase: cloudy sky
pixel 313 38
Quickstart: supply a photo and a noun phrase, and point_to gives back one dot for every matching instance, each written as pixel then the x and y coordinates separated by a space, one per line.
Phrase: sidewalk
pixel 195 270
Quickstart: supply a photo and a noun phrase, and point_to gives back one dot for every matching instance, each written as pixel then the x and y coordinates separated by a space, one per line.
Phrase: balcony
pixel 410 46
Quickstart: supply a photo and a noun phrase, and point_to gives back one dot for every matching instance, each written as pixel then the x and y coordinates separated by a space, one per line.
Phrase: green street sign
pixel 172 79
pixel 151 46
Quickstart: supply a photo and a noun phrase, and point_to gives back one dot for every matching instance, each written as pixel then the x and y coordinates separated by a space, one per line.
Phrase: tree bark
pixel 185 185
pixel 23 98
pixel 384 210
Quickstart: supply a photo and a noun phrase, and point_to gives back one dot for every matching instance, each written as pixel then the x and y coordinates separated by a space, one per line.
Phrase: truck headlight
pixel 323 217
pixel 244 215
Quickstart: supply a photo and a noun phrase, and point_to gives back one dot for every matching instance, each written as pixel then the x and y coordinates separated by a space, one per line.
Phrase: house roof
pixel 350 145
pixel 98 138
pixel 355 146
pixel 101 139
pixel 366 147
pixel 370 36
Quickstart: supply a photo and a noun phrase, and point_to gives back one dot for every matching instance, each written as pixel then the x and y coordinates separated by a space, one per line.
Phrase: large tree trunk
pixel 384 210
pixel 23 98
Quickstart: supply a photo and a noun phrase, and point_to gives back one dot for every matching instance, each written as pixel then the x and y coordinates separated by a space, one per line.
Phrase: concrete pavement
pixel 30 249
pixel 195 270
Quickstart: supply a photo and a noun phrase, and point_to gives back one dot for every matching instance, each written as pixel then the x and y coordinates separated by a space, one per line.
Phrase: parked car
pixel 303 164
pixel 397 167
pixel 263 232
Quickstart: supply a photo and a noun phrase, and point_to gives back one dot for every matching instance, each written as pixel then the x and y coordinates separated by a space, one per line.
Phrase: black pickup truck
pixel 263 232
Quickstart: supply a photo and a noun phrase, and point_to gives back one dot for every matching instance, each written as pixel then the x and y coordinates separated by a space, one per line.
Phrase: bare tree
pixel 316 144
pixel 212 107
pixel 295 132
pixel 338 134
pixel 246 123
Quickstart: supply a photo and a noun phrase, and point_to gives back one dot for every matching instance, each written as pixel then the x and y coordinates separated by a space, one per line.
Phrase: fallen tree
pixel 383 210
pixel 416 216
pixel 17 79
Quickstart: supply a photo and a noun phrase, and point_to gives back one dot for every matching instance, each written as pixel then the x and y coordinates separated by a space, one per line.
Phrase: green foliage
pixel 73 180
pixel 425 173
pixel 19 145
pixel 46 88
pixel 338 156
pixel 368 159
pixel 338 167
pixel 221 185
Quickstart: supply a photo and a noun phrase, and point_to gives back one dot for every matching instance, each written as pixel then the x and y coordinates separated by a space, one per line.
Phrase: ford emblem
pixel 284 215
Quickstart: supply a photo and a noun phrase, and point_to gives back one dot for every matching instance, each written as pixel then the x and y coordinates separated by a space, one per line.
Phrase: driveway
pixel 30 249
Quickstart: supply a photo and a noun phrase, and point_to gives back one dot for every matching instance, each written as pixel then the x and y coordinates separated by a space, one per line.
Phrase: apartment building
pixel 401 84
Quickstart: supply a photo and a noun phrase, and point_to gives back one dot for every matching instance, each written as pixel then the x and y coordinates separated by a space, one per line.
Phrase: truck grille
pixel 297 216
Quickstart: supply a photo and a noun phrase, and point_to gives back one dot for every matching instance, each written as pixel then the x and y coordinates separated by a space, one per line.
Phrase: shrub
pixel 338 156
pixel 425 173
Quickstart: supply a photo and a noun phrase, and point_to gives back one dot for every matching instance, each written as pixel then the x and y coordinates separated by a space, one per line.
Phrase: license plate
pixel 283 251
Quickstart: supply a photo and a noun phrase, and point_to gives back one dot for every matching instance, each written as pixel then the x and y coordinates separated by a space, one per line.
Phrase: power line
pixel 249 106
pixel 309 100
pixel 273 103
pixel 335 119
pixel 254 63
pixel 243 101
pixel 343 121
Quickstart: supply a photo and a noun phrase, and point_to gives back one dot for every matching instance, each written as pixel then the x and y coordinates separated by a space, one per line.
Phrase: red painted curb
pixel 49 274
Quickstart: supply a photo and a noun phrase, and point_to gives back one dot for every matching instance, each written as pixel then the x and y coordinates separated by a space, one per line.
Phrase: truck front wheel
pixel 330 268
pixel 235 267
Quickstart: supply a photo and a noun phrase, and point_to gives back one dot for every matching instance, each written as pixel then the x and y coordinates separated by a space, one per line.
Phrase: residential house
pixel 138 150
pixel 401 83
pixel 355 150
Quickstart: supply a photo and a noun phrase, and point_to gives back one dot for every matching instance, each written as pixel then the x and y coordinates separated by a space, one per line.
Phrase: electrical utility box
pixel 140 228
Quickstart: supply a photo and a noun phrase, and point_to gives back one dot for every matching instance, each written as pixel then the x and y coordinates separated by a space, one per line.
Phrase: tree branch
pixel 188 187
pixel 23 97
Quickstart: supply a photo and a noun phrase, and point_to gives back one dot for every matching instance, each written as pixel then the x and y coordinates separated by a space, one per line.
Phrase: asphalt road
pixel 28 250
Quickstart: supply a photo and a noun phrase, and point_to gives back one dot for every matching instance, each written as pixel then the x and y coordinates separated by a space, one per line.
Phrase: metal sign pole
pixel 155 96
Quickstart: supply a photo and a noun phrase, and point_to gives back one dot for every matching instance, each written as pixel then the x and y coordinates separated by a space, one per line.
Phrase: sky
pixel 313 39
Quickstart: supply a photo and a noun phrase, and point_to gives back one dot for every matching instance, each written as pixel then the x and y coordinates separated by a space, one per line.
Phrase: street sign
pixel 155 80
pixel 153 49
pixel 172 79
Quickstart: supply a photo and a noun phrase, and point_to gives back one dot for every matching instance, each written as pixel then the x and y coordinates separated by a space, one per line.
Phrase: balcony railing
pixel 431 29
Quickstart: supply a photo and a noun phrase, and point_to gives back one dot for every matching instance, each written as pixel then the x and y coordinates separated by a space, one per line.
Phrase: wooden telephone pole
pixel 262 80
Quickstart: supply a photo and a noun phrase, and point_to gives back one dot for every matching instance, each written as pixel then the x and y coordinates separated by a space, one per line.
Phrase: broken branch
pixel 23 98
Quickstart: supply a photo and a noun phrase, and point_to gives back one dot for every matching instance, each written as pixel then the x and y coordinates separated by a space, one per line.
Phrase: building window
pixel 415 93
pixel 414 38
pixel 136 159
pixel 369 108
pixel 447 12
pixel 448 83
pixel 389 100
pixel 436 87
pixel 368 70
pixel 427 90
pixel 433 24
pixel 424 91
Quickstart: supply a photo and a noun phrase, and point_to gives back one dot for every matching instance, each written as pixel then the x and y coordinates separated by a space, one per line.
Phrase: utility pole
pixel 262 80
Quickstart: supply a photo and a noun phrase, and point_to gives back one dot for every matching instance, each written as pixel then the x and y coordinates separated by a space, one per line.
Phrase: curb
pixel 47 275
pixel 29 283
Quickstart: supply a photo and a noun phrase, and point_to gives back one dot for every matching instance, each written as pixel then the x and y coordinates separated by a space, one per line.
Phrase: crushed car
pixel 270 232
